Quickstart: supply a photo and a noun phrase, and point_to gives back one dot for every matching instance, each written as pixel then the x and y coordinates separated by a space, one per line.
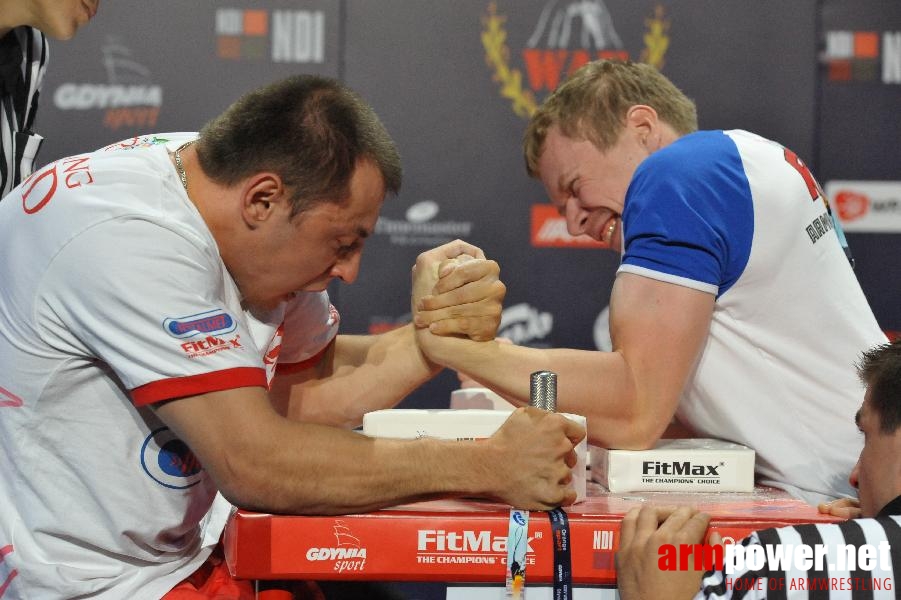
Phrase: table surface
pixel 465 540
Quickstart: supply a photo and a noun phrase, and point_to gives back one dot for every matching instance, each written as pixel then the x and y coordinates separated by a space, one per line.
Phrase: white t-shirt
pixel 740 217
pixel 114 298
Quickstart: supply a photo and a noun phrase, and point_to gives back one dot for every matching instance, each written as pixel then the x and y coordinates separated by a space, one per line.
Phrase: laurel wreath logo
pixel 656 39
pixel 497 55
pixel 523 102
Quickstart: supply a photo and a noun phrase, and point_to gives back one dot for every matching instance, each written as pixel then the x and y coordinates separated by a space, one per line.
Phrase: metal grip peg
pixel 543 390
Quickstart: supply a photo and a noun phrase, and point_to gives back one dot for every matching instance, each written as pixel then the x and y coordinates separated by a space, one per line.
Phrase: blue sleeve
pixel 689 215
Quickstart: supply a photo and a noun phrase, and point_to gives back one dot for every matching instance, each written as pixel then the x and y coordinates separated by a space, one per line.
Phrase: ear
pixel 644 121
pixel 263 197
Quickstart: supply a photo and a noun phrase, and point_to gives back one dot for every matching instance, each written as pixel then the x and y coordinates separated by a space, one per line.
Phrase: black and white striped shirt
pixel 832 582
pixel 23 60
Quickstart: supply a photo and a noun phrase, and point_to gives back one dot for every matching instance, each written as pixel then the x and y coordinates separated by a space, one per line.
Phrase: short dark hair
pixel 310 130
pixel 880 370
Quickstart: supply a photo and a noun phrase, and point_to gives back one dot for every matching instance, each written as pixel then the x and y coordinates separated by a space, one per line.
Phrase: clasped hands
pixel 456 292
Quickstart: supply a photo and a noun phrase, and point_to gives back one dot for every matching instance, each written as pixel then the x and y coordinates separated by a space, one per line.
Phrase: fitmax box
pixel 684 465
pixel 460 424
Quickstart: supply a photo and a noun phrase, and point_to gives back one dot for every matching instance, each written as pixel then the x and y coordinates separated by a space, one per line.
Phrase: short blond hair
pixel 592 104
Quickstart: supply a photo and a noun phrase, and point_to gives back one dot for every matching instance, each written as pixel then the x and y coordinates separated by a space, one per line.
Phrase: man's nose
pixel 853 478
pixel 348 268
pixel 575 217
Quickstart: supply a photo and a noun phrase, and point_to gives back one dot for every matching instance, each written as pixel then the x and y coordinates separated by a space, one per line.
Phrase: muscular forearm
pixel 325 471
pixel 598 385
pixel 261 461
pixel 363 373
pixel 630 395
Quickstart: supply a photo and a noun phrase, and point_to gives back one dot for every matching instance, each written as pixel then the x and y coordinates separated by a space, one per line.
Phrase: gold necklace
pixel 180 167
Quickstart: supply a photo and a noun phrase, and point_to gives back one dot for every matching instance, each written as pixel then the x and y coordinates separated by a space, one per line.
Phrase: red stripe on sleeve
pixel 179 387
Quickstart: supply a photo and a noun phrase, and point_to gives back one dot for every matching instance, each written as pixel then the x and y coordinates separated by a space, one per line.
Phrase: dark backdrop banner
pixel 858 131
pixel 455 83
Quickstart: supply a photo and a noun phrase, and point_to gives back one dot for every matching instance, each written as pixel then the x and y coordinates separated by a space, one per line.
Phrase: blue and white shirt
pixel 740 217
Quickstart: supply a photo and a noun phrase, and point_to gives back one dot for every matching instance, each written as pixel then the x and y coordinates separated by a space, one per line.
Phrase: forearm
pixel 363 373
pixel 319 470
pixel 262 461
pixel 598 385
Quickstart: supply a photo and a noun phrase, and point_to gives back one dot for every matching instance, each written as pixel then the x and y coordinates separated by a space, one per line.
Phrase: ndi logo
pixel 298 36
pixel 169 461
pixel 293 36
pixel 863 56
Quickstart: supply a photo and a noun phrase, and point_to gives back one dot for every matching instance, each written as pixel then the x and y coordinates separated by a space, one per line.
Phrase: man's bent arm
pixel 262 461
pixel 358 374
pixel 629 396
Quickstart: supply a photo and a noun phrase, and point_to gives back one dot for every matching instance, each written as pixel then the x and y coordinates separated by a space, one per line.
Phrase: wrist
pixel 428 363
pixel 477 475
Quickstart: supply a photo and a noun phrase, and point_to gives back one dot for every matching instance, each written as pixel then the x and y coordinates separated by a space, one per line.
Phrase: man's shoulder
pixel 691 157
pixel 169 140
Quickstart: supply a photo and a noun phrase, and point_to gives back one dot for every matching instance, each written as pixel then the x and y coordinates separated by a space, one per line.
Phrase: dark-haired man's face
pixel 304 253
pixel 877 474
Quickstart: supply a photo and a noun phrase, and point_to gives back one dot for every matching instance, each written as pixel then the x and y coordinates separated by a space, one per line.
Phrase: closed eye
pixel 348 249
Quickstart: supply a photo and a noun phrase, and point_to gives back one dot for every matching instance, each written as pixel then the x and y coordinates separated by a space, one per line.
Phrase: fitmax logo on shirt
pixel 210 345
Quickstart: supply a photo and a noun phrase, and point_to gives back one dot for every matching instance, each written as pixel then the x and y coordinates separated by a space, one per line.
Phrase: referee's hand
pixel 644 530
pixel 845 508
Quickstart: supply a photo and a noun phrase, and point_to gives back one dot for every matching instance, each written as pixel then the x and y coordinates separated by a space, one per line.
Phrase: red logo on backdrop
pixel 566 36
pixel 851 205
pixel 549 230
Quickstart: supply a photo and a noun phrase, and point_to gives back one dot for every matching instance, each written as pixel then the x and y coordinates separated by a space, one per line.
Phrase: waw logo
pixel 566 36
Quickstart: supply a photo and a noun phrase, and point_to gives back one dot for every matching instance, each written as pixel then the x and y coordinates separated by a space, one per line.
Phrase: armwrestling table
pixel 464 541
